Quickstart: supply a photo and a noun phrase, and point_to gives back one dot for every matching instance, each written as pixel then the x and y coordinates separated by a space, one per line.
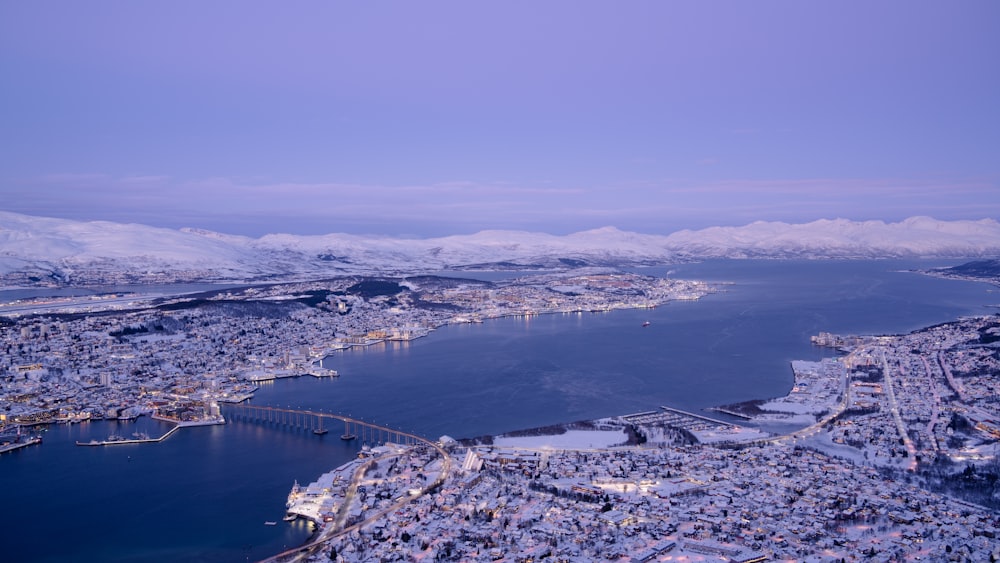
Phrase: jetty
pixel 117 440
pixel 20 444
pixel 730 412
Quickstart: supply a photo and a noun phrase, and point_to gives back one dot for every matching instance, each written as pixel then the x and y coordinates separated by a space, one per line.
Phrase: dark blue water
pixel 204 494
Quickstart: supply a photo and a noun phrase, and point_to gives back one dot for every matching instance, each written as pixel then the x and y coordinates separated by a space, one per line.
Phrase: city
pixel 848 488
pixel 96 358
pixel 888 450
pixel 563 281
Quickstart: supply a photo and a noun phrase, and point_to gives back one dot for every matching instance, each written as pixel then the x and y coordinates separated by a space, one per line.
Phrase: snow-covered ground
pixel 570 440
pixel 729 434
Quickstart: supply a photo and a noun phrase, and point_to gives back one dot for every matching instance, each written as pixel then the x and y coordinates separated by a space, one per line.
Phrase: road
pixel 894 409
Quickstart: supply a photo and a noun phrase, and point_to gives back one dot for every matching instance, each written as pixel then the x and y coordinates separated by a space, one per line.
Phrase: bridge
pixel 320 423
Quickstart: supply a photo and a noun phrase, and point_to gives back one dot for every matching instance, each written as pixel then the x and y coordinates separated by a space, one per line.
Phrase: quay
pixel 315 371
pixel 177 426
pixel 237 398
pixel 115 442
pixel 271 376
pixel 20 444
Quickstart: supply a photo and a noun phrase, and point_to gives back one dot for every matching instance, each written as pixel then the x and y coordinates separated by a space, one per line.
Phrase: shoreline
pixel 655 291
pixel 379 351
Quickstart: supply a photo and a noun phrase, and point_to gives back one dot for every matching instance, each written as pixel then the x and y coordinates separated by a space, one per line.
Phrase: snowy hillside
pixel 840 238
pixel 36 250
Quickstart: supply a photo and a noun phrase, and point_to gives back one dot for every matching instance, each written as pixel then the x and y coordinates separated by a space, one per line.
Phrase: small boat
pixel 270 523
pixel 290 517
pixel 645 324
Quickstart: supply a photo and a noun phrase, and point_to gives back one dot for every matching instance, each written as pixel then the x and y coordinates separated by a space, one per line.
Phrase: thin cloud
pixel 852 187
pixel 256 207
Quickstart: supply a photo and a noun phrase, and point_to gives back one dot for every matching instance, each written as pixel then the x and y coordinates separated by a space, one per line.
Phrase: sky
pixel 448 117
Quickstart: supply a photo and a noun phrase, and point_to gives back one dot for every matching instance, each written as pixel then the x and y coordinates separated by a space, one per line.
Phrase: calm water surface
pixel 204 494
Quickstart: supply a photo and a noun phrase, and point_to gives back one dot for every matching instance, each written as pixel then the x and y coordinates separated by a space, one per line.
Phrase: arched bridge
pixel 320 423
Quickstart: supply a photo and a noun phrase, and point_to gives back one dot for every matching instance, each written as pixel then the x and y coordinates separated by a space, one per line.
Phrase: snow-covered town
pixel 120 356
pixel 563 281
pixel 886 452
pixel 679 503
pixel 897 468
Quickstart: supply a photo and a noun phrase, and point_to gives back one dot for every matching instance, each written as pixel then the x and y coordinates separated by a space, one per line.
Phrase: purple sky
pixel 431 118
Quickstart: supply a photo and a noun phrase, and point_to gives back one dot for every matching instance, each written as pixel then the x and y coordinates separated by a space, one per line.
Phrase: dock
pixel 129 441
pixel 18 445
pixel 177 426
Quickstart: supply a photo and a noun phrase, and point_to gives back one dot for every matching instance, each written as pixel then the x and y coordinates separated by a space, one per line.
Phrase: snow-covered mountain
pixel 44 250
pixel 916 237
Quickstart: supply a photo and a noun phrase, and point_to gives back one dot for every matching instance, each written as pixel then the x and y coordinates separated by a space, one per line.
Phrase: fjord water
pixel 204 494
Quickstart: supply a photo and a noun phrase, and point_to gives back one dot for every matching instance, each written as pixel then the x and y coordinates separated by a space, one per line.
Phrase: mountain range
pixel 41 250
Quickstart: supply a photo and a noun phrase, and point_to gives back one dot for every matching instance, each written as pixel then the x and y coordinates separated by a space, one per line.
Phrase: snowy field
pixel 570 440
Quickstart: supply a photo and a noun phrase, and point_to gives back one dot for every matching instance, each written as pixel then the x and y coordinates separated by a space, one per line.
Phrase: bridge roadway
pixel 300 418
pixel 365 432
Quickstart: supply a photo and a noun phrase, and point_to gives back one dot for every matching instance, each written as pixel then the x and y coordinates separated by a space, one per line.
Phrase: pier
pixel 9 447
pixel 730 412
pixel 178 424
pixel 320 423
pixel 130 441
